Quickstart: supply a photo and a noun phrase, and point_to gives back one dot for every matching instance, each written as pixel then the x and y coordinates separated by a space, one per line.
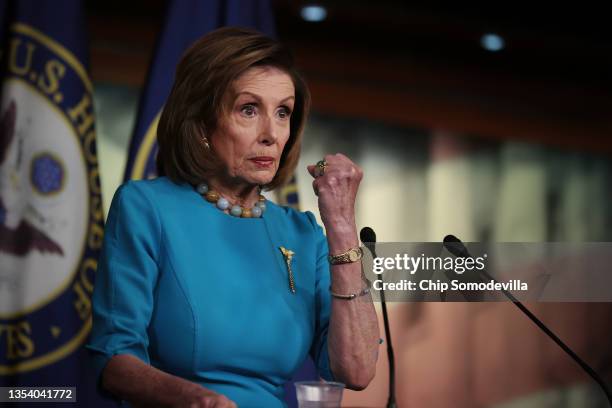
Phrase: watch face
pixel 353 255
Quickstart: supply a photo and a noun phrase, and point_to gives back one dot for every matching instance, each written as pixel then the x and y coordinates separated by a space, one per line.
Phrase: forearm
pixel 353 330
pixel 130 379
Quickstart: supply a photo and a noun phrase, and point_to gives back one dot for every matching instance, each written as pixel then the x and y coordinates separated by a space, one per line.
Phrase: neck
pixel 243 194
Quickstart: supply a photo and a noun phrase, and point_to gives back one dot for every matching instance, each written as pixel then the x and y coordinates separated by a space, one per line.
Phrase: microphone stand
pixel 456 247
pixel 391 357
pixel 367 235
pixel 556 339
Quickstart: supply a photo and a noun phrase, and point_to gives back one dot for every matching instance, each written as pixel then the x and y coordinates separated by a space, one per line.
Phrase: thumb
pixel 311 168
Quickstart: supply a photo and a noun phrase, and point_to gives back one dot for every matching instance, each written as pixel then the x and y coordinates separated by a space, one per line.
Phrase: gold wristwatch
pixel 352 255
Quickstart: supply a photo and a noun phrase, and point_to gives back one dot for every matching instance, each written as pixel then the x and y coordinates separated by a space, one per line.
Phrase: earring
pixel 205 141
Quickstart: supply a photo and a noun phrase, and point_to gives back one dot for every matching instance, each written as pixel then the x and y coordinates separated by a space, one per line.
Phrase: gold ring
pixel 320 168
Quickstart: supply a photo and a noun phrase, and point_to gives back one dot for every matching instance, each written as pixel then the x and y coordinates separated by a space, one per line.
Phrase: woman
pixel 208 295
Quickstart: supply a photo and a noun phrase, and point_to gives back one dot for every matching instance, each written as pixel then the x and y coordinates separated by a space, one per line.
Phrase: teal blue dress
pixel 205 296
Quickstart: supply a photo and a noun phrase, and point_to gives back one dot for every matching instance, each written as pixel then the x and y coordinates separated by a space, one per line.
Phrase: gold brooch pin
pixel 288 255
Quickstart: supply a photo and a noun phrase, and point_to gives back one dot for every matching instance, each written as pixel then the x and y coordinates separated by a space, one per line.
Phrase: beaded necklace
pixel 235 210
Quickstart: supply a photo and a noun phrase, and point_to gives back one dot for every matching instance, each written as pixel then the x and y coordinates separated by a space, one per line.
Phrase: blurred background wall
pixel 490 123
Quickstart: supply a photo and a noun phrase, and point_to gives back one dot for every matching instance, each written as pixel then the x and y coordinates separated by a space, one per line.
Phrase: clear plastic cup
pixel 316 394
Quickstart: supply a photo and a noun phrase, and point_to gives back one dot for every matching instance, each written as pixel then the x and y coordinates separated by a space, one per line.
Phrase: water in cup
pixel 316 394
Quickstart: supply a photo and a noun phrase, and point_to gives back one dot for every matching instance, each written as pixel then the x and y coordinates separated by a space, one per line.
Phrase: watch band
pixel 352 255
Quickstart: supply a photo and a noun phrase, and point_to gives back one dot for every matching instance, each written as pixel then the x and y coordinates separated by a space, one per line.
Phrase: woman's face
pixel 251 137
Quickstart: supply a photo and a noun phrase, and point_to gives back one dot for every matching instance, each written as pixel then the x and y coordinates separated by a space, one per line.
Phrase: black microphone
pixel 368 238
pixel 459 250
pixel 456 247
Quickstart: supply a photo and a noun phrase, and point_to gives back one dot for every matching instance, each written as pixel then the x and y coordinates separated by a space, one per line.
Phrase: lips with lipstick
pixel 263 161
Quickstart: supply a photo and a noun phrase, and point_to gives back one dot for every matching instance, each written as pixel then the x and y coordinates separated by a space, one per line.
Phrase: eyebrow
pixel 259 98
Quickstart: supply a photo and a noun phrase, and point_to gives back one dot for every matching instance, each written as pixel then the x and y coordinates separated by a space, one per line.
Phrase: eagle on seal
pixel 22 237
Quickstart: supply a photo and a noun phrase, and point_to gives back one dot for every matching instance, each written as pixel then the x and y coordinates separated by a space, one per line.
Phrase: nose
pixel 268 131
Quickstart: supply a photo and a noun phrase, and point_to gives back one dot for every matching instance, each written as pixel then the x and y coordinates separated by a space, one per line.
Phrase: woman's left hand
pixel 337 189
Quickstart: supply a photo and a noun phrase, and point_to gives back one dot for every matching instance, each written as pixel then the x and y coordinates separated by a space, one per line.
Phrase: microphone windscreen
pixel 455 246
pixel 367 234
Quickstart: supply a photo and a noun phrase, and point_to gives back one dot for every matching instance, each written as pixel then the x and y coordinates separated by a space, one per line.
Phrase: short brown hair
pixel 196 102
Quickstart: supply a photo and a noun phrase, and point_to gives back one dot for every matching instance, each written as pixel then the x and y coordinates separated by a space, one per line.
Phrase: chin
pixel 262 179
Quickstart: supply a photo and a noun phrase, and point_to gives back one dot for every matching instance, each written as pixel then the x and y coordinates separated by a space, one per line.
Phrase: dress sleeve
pixel 318 350
pixel 125 279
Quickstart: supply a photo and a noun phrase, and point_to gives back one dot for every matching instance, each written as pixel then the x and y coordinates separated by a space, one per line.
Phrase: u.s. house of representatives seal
pixel 50 204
